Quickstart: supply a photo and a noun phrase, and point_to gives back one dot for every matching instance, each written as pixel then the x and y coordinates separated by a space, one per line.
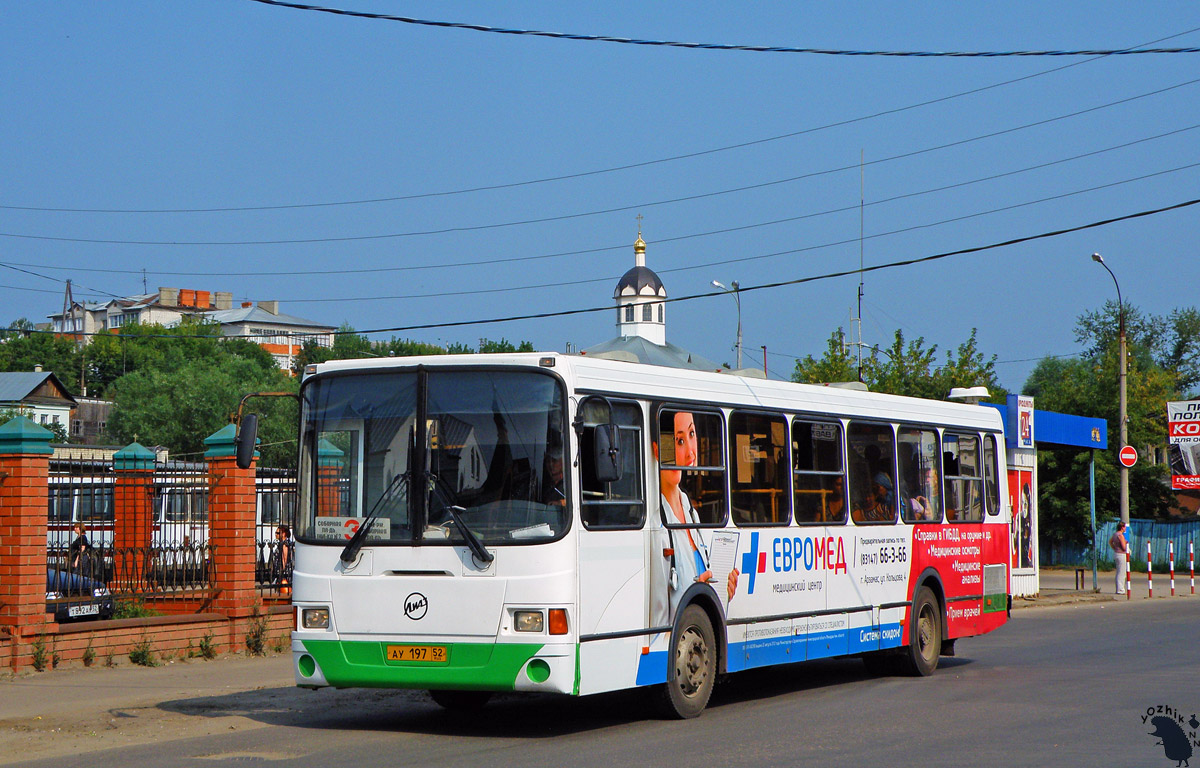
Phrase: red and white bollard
pixel 1171 564
pixel 1128 576
pixel 1149 570
pixel 1192 565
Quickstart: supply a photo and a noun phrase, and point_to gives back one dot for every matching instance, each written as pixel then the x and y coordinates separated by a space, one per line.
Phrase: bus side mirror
pixel 246 438
pixel 607 453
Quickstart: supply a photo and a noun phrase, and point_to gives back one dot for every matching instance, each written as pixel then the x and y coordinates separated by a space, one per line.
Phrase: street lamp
pixel 1121 415
pixel 738 299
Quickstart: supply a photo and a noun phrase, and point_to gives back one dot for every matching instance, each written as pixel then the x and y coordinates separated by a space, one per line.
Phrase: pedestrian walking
pixel 1120 548
pixel 281 559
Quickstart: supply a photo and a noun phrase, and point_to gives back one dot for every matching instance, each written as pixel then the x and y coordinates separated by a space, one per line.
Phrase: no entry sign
pixel 1128 456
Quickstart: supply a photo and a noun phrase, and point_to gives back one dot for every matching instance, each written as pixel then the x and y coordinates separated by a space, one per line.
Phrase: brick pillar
pixel 329 471
pixel 231 498
pixel 24 467
pixel 133 513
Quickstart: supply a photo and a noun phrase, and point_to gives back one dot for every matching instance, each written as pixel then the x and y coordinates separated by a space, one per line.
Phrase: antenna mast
pixel 861 229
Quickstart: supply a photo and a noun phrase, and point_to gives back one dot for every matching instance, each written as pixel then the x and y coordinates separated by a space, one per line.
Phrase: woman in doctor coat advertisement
pixel 684 558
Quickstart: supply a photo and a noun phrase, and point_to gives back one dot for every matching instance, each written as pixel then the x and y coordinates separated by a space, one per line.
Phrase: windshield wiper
pixel 472 540
pixel 360 536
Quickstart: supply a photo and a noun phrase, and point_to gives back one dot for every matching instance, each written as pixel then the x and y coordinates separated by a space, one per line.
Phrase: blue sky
pixel 234 104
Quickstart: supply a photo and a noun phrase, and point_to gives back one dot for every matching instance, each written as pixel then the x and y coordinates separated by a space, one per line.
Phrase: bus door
pixel 612 550
pixel 963 578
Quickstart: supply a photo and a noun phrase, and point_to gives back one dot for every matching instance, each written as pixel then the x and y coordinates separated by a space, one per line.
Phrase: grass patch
pixel 143 655
pixel 132 608
pixel 208 649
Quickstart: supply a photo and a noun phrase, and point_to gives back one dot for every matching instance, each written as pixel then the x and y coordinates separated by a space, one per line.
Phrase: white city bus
pixel 471 524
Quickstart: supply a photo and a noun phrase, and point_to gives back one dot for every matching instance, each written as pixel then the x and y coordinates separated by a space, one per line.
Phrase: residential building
pixel 281 335
pixel 38 395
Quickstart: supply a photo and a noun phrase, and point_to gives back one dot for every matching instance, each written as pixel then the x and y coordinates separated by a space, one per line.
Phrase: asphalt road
pixel 1065 685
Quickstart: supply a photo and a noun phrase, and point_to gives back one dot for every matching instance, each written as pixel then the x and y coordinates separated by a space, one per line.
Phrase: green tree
pixel 1088 386
pixel 904 368
pixel 1171 342
pixel 21 349
pixel 180 407
pixel 836 365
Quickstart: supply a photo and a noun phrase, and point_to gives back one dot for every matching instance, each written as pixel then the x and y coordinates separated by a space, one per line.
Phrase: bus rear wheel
pixel 691 665
pixel 462 701
pixel 924 634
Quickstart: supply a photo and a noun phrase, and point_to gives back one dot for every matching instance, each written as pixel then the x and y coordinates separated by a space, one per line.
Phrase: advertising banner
pixel 1024 511
pixel 1183 434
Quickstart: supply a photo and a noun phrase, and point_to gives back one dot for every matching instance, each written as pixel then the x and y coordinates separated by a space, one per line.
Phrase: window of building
pixel 920 492
pixel 76 427
pixel 759 486
pixel 871 455
pixel 964 480
pixel 629 313
pixel 818 478
pixel 647 313
pixel 660 313
pixel 688 447
pixel 621 504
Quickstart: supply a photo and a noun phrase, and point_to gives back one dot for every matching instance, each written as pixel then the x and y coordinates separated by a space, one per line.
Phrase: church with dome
pixel 641 300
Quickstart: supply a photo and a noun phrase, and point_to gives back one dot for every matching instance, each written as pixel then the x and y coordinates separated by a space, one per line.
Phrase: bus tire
pixel 691 665
pixel 924 634
pixel 461 701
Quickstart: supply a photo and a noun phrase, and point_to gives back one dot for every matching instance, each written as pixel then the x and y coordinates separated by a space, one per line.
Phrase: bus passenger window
pixel 818 479
pixel 872 455
pixel 990 484
pixel 759 478
pixel 622 504
pixel 691 467
pixel 964 482
pixel 920 491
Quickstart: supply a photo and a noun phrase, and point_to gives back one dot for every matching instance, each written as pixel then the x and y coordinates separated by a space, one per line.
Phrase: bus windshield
pixel 402 447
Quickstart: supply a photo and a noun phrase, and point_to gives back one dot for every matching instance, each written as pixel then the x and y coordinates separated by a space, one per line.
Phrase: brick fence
pixel 231 615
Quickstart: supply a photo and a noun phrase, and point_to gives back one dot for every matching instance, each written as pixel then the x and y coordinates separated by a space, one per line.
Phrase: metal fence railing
pixel 177 564
pixel 1159 534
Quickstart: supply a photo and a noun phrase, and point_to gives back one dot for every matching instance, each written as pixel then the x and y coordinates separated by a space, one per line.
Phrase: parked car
pixel 73 597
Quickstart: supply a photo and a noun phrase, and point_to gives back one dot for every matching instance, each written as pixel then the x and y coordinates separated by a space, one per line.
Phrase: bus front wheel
pixel 691 665
pixel 924 634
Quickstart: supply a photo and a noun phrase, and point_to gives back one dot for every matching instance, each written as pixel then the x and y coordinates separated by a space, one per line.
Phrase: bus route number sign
pixel 424 654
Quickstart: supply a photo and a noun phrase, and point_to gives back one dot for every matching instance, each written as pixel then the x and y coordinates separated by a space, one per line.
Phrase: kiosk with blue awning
pixel 1053 431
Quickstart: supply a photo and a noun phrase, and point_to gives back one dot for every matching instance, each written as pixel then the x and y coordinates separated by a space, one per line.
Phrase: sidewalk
pixel 75 710
pixel 1058 587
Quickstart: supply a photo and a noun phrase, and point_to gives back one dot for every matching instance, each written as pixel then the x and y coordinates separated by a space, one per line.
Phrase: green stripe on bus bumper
pixel 995 603
pixel 473 666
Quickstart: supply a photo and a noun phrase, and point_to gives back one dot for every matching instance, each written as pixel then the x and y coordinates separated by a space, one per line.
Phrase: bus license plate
pixel 432 654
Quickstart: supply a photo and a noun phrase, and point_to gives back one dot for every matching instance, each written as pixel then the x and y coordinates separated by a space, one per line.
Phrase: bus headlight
pixel 529 621
pixel 314 618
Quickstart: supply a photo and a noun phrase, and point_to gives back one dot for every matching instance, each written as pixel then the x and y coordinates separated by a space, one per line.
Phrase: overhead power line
pixel 622 246
pixel 742 289
pixel 719 262
pixel 616 209
pixel 595 172
pixel 721 46
pixel 802 280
